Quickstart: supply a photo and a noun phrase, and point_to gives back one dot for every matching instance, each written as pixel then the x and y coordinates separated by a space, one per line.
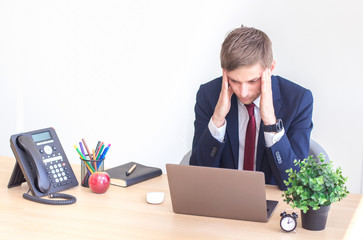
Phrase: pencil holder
pixel 88 167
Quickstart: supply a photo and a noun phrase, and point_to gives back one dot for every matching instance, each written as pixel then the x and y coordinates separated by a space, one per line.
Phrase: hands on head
pixel 224 102
pixel 263 88
pixel 266 103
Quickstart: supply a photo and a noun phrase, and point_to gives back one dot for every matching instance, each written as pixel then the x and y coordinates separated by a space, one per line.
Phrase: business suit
pixel 292 103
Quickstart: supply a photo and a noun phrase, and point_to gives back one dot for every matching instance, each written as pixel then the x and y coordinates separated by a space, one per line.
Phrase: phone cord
pixel 69 199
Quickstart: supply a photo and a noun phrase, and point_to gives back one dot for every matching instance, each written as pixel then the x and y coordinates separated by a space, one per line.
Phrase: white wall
pixel 126 72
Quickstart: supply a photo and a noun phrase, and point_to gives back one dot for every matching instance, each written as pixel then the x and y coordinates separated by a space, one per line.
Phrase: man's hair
pixel 246 46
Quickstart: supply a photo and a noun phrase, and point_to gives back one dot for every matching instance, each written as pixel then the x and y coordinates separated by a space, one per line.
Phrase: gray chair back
pixel 186 158
pixel 316 150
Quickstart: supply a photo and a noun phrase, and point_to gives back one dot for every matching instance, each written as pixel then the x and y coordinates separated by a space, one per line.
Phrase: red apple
pixel 99 182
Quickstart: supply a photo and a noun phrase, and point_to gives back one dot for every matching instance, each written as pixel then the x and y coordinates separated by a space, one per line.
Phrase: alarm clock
pixel 288 222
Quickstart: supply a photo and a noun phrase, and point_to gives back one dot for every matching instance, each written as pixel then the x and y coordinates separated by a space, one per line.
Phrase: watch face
pixel 288 223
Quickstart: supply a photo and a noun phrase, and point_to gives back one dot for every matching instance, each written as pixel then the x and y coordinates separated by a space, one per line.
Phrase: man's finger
pixel 266 79
pixel 225 81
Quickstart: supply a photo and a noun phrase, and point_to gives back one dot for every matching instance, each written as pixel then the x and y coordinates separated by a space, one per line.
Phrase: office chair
pixel 315 150
pixel 185 160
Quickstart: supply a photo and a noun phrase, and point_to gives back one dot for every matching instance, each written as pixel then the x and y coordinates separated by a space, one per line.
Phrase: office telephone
pixel 43 164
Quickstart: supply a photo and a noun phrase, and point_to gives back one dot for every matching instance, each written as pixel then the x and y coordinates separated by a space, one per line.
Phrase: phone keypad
pixel 58 173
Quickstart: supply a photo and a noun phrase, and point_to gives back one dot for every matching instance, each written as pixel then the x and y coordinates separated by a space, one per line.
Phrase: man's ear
pixel 273 64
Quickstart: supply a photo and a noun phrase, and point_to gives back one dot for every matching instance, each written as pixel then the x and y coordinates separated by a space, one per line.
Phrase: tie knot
pixel 250 109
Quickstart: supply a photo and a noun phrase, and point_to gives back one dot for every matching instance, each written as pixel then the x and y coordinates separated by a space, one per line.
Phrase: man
pixel 248 119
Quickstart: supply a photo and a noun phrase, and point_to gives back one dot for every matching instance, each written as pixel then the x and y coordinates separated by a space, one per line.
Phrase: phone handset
pixel 26 144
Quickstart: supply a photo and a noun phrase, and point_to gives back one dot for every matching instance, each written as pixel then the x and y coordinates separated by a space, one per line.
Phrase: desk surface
pixel 122 213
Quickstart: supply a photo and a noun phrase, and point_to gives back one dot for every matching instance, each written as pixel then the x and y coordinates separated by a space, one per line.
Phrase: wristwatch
pixel 274 127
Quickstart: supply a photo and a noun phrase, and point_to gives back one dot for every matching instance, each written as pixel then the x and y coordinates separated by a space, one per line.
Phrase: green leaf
pixel 320 180
pixel 322 200
pixel 300 190
pixel 315 184
pixel 305 195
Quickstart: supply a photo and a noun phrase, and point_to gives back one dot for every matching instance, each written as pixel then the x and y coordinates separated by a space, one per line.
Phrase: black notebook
pixel 140 173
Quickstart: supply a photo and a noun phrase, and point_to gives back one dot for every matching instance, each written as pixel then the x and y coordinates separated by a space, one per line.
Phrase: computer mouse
pixel 155 197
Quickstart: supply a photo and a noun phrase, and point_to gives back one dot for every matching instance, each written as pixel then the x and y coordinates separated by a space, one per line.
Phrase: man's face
pixel 246 82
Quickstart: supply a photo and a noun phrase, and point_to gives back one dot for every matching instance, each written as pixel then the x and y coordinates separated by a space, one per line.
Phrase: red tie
pixel 249 159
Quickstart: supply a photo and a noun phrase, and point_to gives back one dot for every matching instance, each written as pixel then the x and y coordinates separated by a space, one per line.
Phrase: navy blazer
pixel 293 104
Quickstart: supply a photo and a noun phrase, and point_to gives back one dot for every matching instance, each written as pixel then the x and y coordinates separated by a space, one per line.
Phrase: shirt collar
pixel 256 102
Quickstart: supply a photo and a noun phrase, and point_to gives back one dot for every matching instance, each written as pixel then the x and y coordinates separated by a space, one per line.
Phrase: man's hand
pixel 224 102
pixel 266 104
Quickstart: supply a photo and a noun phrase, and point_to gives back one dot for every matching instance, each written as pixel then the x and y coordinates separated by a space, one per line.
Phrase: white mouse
pixel 155 197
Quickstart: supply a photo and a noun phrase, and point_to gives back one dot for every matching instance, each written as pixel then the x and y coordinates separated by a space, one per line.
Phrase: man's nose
pixel 244 90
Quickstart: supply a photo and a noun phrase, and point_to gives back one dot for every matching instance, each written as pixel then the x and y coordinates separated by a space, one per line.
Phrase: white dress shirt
pixel 270 138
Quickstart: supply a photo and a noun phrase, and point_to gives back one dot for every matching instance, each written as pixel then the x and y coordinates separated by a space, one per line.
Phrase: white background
pixel 126 72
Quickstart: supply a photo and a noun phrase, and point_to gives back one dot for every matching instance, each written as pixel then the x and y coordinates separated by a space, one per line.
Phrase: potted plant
pixel 313 189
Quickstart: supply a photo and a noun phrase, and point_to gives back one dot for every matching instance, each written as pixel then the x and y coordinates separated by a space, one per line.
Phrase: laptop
pixel 219 192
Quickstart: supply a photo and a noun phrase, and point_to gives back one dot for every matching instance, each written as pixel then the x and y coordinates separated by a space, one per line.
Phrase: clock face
pixel 288 223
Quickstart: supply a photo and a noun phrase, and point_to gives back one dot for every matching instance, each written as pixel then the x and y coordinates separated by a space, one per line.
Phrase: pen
pixel 82 150
pixel 97 147
pixel 131 170
pixel 79 152
pixel 105 151
pixel 85 145
pixel 99 153
pixel 103 155
pixel 98 150
pixel 83 157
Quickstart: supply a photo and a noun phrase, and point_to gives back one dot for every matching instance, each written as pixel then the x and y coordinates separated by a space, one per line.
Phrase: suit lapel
pixel 276 95
pixel 232 129
pixel 260 147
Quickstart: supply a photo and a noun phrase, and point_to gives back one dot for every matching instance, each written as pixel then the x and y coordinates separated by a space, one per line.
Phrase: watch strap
pixel 277 127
